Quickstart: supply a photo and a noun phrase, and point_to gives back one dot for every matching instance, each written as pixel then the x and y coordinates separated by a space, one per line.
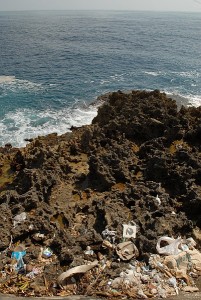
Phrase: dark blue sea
pixel 54 64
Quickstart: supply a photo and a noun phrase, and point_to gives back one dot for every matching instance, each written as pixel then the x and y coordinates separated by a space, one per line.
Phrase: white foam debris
pixel 25 124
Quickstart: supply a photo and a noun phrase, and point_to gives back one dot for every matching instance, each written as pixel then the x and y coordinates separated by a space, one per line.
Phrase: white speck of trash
pixel 39 235
pixel 88 251
pixel 173 282
pixel 158 200
pixel 19 218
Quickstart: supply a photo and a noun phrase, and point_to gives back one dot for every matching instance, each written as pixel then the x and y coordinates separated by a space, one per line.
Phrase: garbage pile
pixel 113 272
pixel 68 203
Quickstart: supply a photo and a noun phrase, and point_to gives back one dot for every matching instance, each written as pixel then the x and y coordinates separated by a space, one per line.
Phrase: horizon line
pixel 105 10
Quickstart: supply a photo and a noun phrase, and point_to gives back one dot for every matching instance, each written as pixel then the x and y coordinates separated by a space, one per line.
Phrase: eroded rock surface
pixel 74 186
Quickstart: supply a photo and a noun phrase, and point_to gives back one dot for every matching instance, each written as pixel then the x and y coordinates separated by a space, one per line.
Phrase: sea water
pixel 53 64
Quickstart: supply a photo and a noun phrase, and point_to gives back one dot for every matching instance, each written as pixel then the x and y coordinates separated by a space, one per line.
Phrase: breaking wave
pixel 55 67
pixel 25 124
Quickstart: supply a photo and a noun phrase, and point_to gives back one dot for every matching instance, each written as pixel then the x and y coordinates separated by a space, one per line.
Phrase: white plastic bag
pixel 172 248
pixel 19 219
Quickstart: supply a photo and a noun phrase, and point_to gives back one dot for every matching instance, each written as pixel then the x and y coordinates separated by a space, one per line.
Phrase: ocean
pixel 53 64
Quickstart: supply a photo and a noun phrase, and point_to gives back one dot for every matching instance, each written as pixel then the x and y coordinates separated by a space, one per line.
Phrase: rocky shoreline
pixel 74 186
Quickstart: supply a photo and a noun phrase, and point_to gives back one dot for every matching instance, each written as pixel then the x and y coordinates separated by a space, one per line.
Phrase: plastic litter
pixel 182 261
pixel 18 254
pixel 173 282
pixel 141 294
pixel 31 227
pixel 127 250
pixel 158 200
pixel 172 248
pixel 128 277
pixel 195 257
pixel 47 253
pixel 107 244
pixel 88 251
pixel 161 292
pixel 39 235
pixel 19 219
pixel 19 251
pixel 33 273
pixel 109 235
pixel 129 231
pixel 161 277
pixel 76 270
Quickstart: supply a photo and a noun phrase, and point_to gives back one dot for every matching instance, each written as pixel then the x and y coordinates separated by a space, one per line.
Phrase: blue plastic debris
pixel 18 254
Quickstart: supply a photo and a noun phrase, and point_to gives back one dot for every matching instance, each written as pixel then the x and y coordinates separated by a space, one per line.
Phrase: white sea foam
pixel 6 79
pixel 186 100
pixel 189 74
pixel 13 84
pixel 23 124
pixel 114 78
pixel 154 73
pixel 195 100
pixel 104 81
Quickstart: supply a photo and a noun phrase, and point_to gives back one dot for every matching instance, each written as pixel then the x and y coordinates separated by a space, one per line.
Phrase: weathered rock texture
pixel 74 186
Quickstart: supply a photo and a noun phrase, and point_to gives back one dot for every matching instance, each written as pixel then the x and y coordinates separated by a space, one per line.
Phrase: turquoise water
pixel 53 64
